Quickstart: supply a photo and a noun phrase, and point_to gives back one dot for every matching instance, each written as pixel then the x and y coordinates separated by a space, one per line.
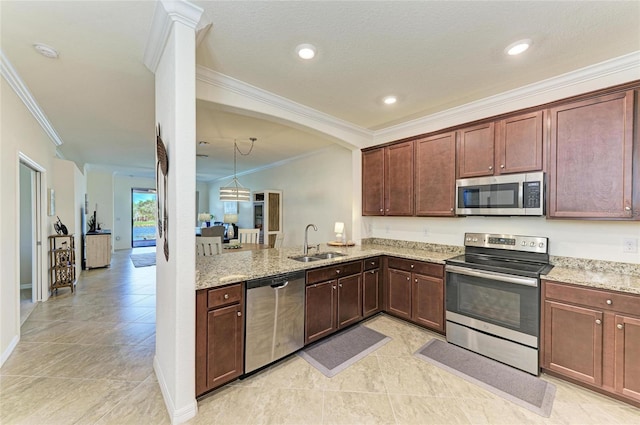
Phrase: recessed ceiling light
pixel 201 155
pixel 46 51
pixel 389 100
pixel 203 143
pixel 517 47
pixel 306 51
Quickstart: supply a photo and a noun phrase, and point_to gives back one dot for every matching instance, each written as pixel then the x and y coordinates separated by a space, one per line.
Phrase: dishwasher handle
pixel 280 285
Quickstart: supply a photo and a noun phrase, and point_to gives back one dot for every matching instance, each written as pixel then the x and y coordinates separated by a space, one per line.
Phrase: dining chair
pixel 248 235
pixel 208 246
pixel 279 240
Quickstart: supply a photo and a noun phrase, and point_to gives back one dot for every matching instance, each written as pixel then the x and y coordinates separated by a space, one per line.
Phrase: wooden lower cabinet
pixel 415 292
pixel 427 302
pixel 219 336
pixel 592 336
pixel 335 303
pixel 97 250
pixel 371 293
pixel 627 356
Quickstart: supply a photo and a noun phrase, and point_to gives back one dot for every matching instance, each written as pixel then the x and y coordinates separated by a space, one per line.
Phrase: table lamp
pixel 339 230
pixel 231 219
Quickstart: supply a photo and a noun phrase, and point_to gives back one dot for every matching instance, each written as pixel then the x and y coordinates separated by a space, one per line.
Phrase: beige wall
pixel 20 133
pixel 100 193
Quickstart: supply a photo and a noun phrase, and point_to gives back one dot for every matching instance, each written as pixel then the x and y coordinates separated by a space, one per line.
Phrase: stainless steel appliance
pixel 511 194
pixel 493 297
pixel 274 319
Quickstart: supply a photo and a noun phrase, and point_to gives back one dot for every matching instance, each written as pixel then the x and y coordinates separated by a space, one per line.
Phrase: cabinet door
pixel 225 342
pixel 373 182
pixel 519 144
pixel 370 292
pixel 399 293
pixel 320 310
pixel 626 361
pixel 573 341
pixel 475 151
pixel 398 185
pixel 428 302
pixel 436 175
pixel 590 170
pixel 349 300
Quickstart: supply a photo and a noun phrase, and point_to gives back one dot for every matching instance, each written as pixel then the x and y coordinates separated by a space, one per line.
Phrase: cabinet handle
pixel 337 271
pixel 372 271
pixel 373 263
pixel 387 209
pixel 239 313
pixel 619 326
pixel 598 321
pixel 412 266
pixel 627 208
pixel 226 296
pixel 451 210
pixel 381 210
pixel 609 302
pixel 490 167
pixel 340 285
pixel 408 278
pixel 416 280
pixel 501 165
pixel 333 287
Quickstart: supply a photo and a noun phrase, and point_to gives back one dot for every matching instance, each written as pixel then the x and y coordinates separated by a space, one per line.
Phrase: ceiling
pixel 433 55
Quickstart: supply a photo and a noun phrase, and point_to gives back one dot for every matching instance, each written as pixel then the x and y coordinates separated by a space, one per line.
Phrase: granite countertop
pixel 595 279
pixel 233 267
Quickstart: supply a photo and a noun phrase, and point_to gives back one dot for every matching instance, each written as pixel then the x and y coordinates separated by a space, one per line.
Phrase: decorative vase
pixel 208 224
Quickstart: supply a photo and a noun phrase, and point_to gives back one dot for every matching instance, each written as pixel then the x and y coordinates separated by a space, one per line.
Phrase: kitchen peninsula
pixel 612 295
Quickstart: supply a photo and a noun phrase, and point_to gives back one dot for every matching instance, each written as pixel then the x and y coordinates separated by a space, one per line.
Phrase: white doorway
pixel 30 252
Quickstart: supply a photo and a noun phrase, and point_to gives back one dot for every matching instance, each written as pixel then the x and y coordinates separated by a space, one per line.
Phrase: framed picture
pixel 230 207
pixel 51 202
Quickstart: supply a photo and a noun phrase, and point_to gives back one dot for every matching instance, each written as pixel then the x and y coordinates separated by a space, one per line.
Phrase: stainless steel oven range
pixel 493 297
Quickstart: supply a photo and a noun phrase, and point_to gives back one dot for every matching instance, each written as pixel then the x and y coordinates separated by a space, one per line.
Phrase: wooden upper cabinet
pixel 519 144
pixel 373 182
pixel 398 187
pixel 387 180
pixel 591 163
pixel 475 151
pixel 435 178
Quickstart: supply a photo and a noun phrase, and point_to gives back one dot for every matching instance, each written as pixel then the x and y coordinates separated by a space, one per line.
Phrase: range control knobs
pixel 524 243
pixel 541 245
pixel 532 244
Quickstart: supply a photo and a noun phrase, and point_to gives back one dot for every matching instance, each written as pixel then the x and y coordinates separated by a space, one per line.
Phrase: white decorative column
pixel 170 54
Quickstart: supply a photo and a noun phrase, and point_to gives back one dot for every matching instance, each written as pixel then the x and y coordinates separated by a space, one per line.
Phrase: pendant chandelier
pixel 234 191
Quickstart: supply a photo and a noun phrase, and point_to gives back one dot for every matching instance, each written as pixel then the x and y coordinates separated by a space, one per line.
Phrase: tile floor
pixel 86 358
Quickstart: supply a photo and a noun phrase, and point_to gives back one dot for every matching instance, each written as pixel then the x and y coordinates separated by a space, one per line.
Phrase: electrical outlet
pixel 630 245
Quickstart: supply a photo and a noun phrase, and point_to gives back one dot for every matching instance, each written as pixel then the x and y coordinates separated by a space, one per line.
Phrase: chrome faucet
pixel 305 248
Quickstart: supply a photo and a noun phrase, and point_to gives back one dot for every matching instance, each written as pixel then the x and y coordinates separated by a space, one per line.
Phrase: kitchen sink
pixel 327 255
pixel 317 257
pixel 305 258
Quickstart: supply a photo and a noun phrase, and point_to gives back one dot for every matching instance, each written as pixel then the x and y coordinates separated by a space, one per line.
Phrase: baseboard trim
pixel 9 350
pixel 177 416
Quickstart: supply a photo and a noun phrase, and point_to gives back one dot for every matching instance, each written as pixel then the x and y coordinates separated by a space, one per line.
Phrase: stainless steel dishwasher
pixel 274 319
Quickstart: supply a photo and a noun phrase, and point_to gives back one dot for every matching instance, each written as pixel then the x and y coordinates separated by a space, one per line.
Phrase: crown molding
pixel 166 14
pixel 20 88
pixel 226 83
pixel 614 71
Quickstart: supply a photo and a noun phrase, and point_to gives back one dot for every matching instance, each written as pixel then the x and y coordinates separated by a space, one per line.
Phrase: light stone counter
pixel 236 267
pixel 595 279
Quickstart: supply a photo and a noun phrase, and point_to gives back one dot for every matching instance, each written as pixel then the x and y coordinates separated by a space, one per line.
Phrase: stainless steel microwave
pixel 511 194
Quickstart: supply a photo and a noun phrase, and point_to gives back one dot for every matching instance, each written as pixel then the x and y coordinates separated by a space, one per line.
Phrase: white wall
pixel 100 192
pixel 20 133
pixel 316 189
pixel 70 186
pixel 122 185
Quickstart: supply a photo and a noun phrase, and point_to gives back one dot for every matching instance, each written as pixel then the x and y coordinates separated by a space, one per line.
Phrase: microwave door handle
pixel 521 195
pixel 526 281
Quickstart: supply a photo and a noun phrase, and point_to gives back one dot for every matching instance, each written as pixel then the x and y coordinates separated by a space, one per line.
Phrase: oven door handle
pixel 518 280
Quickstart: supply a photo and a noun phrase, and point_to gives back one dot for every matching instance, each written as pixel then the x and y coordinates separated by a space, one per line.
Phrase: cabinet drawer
pixel 371 263
pixel 428 269
pixel 597 298
pixel 223 296
pixel 332 272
